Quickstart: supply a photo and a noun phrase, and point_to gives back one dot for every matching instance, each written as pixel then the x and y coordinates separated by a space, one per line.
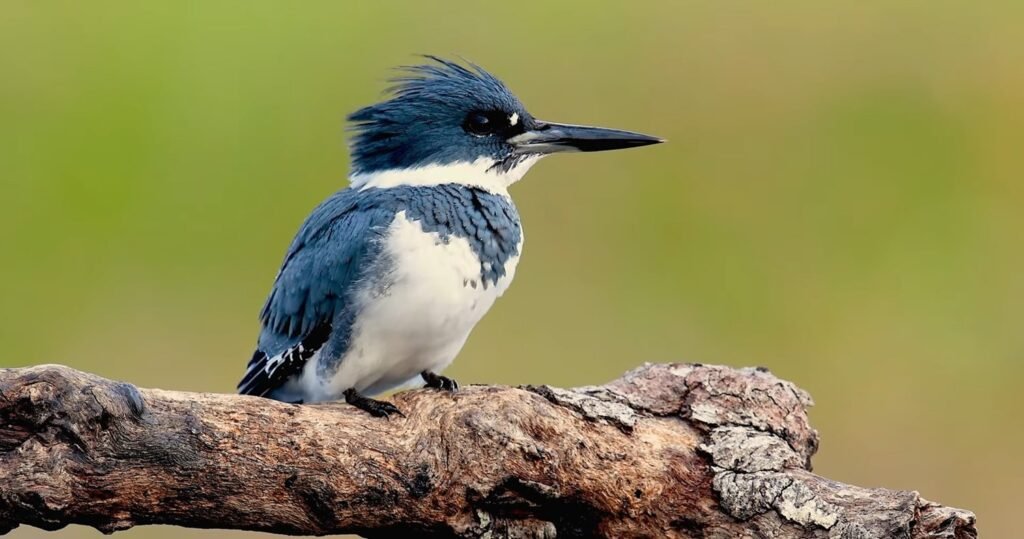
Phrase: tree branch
pixel 664 451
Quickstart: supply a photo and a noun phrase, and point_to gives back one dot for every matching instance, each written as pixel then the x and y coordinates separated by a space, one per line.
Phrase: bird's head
pixel 448 122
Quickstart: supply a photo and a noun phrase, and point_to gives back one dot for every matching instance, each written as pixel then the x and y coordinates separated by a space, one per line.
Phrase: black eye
pixel 482 123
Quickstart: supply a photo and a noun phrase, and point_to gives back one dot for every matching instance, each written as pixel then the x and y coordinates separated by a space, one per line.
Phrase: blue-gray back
pixel 339 249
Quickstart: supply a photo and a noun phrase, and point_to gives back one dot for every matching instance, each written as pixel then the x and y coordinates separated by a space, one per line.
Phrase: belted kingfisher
pixel 386 278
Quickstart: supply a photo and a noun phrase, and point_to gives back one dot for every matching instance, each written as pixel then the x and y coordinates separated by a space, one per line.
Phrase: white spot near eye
pixel 514 119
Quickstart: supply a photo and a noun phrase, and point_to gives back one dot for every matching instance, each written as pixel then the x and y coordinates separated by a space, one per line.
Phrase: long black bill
pixel 550 137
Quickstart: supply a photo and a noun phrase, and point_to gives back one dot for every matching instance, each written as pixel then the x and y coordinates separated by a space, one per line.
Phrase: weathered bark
pixel 664 451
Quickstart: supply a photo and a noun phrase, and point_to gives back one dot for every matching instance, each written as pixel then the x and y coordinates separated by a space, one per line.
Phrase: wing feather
pixel 308 306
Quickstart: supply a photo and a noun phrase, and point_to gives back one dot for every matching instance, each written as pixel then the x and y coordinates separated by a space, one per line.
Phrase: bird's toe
pixel 436 381
pixel 373 407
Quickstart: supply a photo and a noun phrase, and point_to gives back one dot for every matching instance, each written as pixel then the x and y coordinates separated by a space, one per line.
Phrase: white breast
pixel 421 315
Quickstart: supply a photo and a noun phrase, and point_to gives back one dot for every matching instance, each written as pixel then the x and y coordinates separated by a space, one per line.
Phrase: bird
pixel 386 278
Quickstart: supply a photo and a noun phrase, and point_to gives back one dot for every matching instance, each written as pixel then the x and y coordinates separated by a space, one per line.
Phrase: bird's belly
pixel 416 314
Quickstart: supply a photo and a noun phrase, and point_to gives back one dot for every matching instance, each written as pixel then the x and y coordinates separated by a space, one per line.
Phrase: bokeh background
pixel 841 201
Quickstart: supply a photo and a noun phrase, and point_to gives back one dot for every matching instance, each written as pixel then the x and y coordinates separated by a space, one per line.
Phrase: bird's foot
pixel 373 407
pixel 437 381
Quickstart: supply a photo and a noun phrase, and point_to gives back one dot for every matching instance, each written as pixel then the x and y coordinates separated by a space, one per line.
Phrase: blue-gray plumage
pixel 424 122
pixel 341 243
pixel 386 278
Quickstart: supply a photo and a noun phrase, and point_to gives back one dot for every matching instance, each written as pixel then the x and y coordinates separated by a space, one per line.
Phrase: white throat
pixel 480 173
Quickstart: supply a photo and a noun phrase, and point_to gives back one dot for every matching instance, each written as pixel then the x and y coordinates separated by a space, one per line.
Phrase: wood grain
pixel 665 451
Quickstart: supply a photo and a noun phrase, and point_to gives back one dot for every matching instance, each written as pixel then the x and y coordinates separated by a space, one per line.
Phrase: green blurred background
pixel 841 201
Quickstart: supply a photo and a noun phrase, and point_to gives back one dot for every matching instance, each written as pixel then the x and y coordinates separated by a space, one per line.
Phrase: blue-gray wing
pixel 311 303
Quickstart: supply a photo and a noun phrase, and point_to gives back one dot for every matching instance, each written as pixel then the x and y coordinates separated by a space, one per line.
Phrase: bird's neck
pixel 481 173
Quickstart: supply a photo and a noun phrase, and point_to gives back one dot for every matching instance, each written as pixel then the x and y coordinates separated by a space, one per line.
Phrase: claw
pixel 437 381
pixel 373 407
